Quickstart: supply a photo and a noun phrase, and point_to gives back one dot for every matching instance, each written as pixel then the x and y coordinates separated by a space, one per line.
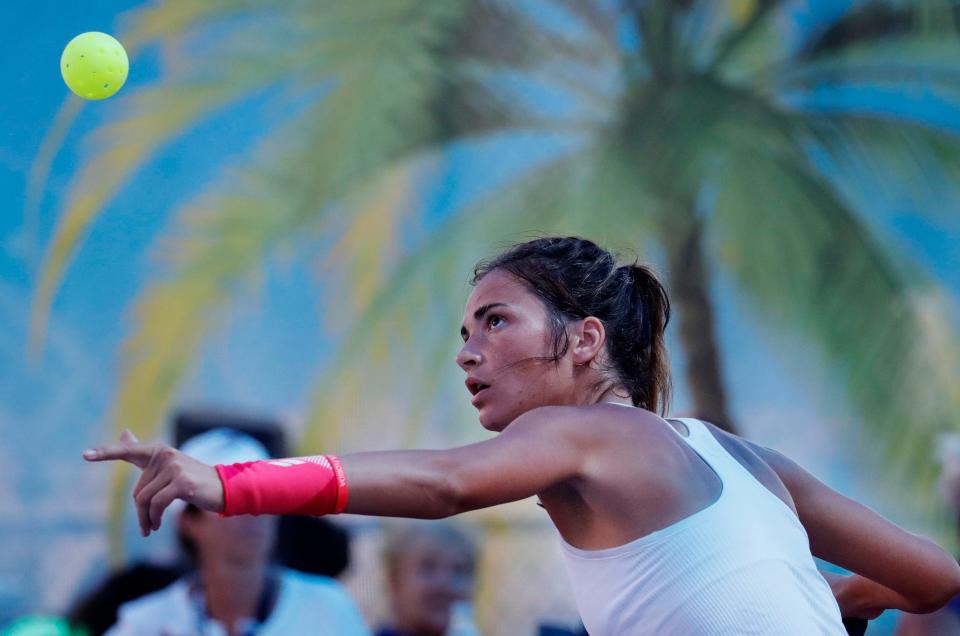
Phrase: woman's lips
pixel 479 395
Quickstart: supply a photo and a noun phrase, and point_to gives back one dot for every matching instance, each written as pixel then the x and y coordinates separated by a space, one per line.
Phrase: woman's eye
pixel 494 321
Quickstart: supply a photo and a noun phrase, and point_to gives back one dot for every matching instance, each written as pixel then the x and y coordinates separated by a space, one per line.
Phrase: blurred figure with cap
pixel 235 589
pixel 945 621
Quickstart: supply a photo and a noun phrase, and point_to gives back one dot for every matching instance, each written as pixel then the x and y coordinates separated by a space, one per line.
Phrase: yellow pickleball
pixel 94 65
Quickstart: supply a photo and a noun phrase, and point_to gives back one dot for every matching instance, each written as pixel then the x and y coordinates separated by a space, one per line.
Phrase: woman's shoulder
pixel 618 420
pixel 612 412
pixel 603 423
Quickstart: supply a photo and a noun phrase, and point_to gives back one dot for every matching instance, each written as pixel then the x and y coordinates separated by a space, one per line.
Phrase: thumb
pixel 127 437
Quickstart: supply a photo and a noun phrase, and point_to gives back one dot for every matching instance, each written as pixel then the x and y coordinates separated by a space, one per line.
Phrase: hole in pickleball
pixel 106 86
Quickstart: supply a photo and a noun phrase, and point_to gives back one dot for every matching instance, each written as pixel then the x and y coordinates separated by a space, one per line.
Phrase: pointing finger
pixel 135 453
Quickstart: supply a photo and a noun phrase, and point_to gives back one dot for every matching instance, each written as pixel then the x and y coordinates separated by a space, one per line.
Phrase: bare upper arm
pixel 538 450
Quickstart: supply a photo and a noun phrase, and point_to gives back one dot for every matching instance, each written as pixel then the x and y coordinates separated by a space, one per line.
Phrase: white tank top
pixel 742 565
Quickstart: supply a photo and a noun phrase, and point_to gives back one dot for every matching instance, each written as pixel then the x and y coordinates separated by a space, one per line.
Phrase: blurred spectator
pixel 235 590
pixel 430 568
pixel 946 621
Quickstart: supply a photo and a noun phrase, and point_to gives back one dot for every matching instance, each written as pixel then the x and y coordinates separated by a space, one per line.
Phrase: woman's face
pixel 507 352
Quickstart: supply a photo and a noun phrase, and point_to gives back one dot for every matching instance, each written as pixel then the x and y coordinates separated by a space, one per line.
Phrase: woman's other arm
pixel 898 569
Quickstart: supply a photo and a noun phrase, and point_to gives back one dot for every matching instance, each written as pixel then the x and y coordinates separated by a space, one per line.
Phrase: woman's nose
pixel 467 357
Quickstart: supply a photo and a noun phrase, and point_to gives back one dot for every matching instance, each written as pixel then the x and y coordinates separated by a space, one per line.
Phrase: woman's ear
pixel 588 339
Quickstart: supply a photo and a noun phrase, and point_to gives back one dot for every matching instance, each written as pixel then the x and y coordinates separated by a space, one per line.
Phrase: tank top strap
pixel 731 472
pixel 702 440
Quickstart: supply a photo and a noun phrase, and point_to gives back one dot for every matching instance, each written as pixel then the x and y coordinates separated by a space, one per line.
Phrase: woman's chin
pixel 491 422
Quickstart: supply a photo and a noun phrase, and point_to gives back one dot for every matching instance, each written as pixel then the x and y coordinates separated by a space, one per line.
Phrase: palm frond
pixel 154 117
pixel 164 20
pixel 892 160
pixel 889 144
pixel 879 20
pixel 50 145
pixel 140 28
pixel 906 61
pixel 756 27
pixel 600 19
pixel 820 272
pixel 402 53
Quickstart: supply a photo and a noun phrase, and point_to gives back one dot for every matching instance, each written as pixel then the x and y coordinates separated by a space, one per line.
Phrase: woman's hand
pixel 859 597
pixel 167 474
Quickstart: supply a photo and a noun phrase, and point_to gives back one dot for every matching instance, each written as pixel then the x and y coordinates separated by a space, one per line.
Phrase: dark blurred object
pixel 308 544
pixel 855 626
pixel 313 545
pixel 190 422
pixel 96 612
pixel 556 630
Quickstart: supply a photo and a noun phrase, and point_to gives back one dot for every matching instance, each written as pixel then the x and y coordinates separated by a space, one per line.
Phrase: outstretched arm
pixel 898 569
pixel 540 448
pixel 537 450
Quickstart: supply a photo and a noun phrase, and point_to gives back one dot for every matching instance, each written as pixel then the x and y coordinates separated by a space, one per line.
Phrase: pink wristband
pixel 315 485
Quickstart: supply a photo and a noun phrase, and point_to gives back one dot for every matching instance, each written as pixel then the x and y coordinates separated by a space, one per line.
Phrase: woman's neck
pixel 614 395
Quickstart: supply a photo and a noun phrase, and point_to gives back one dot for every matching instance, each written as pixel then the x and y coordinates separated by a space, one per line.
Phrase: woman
pixel 668 526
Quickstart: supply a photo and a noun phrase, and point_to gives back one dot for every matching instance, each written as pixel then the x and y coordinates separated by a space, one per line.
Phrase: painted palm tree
pixel 743 139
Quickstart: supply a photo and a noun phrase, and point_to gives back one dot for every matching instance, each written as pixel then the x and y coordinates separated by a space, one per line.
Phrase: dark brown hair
pixel 576 278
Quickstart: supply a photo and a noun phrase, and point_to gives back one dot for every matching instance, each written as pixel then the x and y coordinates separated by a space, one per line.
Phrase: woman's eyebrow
pixel 478 314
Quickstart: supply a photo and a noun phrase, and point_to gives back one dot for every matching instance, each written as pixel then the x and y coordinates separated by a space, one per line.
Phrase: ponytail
pixel 641 354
